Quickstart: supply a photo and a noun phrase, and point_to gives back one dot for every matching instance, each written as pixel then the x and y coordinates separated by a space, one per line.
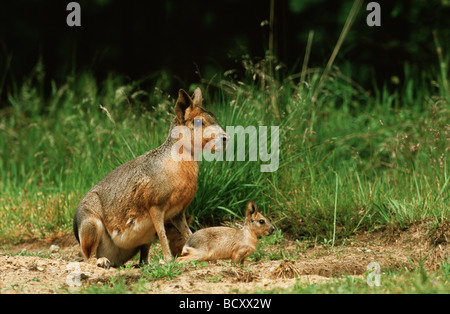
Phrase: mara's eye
pixel 198 122
pixel 262 222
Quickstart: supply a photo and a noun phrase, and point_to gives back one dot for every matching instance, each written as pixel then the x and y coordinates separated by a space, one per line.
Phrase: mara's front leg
pixel 157 215
pixel 179 221
pixel 143 259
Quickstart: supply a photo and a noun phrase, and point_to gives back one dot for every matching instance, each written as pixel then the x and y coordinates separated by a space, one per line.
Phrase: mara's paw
pixel 103 262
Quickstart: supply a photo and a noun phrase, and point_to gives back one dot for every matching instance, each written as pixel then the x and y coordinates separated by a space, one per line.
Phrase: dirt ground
pixel 55 266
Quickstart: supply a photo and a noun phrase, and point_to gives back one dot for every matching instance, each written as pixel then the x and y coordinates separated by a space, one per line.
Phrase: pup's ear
pixel 252 209
pixel 184 102
pixel 197 97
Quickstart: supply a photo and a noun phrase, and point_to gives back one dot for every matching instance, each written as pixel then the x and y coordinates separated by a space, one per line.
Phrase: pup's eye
pixel 262 222
pixel 198 122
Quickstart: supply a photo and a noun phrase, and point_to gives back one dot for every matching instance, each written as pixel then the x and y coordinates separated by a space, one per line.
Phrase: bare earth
pixel 60 269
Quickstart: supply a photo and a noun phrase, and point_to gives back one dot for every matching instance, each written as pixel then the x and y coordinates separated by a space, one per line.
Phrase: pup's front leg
pixel 241 254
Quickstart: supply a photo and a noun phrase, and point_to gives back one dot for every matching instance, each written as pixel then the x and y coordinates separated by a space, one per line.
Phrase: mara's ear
pixel 197 97
pixel 251 209
pixel 183 103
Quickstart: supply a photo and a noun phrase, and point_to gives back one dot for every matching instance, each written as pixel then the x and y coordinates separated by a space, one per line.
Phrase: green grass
pixel 416 281
pixel 348 161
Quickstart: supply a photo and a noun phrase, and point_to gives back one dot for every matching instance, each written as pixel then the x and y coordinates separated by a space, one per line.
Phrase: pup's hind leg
pixel 191 254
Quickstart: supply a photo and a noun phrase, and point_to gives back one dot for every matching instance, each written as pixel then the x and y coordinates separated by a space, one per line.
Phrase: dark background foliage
pixel 140 39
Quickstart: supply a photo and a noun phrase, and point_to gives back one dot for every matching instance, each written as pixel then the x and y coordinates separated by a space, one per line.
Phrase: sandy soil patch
pixel 55 265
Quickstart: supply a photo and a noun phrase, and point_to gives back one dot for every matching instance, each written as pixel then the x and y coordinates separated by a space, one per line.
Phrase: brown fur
pixel 176 239
pixel 122 214
pixel 218 243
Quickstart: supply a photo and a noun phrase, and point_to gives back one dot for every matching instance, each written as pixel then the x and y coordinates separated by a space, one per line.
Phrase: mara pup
pixel 217 243
pixel 121 215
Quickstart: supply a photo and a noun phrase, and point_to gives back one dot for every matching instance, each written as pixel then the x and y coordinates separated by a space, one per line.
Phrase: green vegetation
pixel 398 282
pixel 348 160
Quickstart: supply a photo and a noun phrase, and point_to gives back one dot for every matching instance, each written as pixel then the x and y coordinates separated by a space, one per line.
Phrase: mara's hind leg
pixel 87 225
pixel 90 233
pixel 94 240
pixel 93 236
pixel 89 229
pixel 109 254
